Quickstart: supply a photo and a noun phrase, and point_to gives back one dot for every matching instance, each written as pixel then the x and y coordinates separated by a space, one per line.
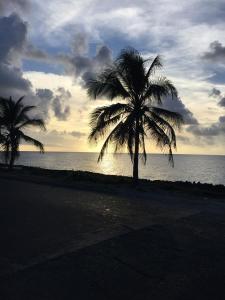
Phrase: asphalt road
pixel 59 243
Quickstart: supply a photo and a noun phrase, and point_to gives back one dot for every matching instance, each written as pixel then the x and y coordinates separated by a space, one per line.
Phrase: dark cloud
pixel 216 53
pixel 13 46
pixel 7 6
pixel 45 94
pixel 177 105
pixel 214 92
pixel 34 53
pixel 79 45
pixel 13 34
pixel 59 104
pixel 77 134
pixel 47 100
pixel 215 129
pixel 79 64
pixel 44 100
pixel 103 56
pixel 222 102
pixel 222 120
pixel 12 82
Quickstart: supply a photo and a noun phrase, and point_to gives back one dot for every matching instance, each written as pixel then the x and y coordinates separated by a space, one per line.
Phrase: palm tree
pixel 14 118
pixel 129 79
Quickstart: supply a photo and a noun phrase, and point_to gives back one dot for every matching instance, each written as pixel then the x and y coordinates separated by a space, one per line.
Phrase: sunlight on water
pixel 112 164
pixel 202 168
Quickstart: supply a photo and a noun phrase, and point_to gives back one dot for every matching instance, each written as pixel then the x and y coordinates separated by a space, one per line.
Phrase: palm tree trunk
pixel 136 153
pixel 11 161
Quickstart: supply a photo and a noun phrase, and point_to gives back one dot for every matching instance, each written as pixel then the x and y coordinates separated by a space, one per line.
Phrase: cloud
pixel 43 102
pixel 12 82
pixel 47 101
pixel 77 134
pixel 80 45
pixel 216 53
pixel 61 140
pixel 45 94
pixel 177 105
pixel 81 66
pixel 59 104
pixel 222 102
pixel 213 130
pixel 13 34
pixel 32 52
pixel 13 5
pixel 214 92
pixel 183 139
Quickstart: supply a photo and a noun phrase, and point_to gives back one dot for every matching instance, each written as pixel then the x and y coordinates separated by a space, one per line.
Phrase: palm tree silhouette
pixel 129 79
pixel 14 118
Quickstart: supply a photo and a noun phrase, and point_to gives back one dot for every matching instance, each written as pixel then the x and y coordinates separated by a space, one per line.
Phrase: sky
pixel 49 49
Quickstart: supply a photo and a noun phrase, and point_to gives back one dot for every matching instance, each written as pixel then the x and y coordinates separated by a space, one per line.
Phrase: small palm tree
pixel 14 118
pixel 139 113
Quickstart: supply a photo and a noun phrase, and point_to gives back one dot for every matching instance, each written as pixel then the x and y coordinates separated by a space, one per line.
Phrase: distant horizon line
pixel 150 153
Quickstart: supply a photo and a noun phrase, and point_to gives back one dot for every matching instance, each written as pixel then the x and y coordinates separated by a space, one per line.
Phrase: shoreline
pixel 203 169
pixel 118 153
pixel 106 183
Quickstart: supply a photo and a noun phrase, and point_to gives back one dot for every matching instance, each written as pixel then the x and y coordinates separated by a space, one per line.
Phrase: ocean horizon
pixel 188 167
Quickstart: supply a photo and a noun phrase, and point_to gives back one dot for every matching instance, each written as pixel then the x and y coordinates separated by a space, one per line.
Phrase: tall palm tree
pixel 14 118
pixel 129 79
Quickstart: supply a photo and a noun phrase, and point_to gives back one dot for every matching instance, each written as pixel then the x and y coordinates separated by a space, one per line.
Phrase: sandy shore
pixel 66 237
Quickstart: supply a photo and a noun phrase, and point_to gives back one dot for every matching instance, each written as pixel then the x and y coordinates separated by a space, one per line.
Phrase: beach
pixel 105 239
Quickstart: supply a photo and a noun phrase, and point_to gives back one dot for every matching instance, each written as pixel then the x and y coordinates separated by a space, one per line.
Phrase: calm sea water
pixel 202 168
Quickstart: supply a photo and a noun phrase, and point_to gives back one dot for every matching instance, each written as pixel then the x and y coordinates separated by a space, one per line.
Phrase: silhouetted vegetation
pixel 129 79
pixel 14 118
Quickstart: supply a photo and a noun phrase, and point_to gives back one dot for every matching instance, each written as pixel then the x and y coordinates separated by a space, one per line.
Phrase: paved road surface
pixel 59 243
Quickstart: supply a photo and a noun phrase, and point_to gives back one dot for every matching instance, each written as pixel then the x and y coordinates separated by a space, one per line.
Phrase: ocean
pixel 193 168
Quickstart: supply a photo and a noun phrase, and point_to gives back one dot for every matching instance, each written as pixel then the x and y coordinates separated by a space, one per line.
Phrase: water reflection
pixel 203 168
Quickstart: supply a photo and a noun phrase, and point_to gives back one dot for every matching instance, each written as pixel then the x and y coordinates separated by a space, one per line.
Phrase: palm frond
pixel 16 107
pixel 159 89
pixel 105 116
pixel 130 65
pixel 4 106
pixel 33 122
pixel 165 126
pixel 33 141
pixel 156 64
pixel 142 136
pixel 18 102
pixel 107 85
pixel 22 114
pixel 161 138
pixel 110 138
pixel 175 119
